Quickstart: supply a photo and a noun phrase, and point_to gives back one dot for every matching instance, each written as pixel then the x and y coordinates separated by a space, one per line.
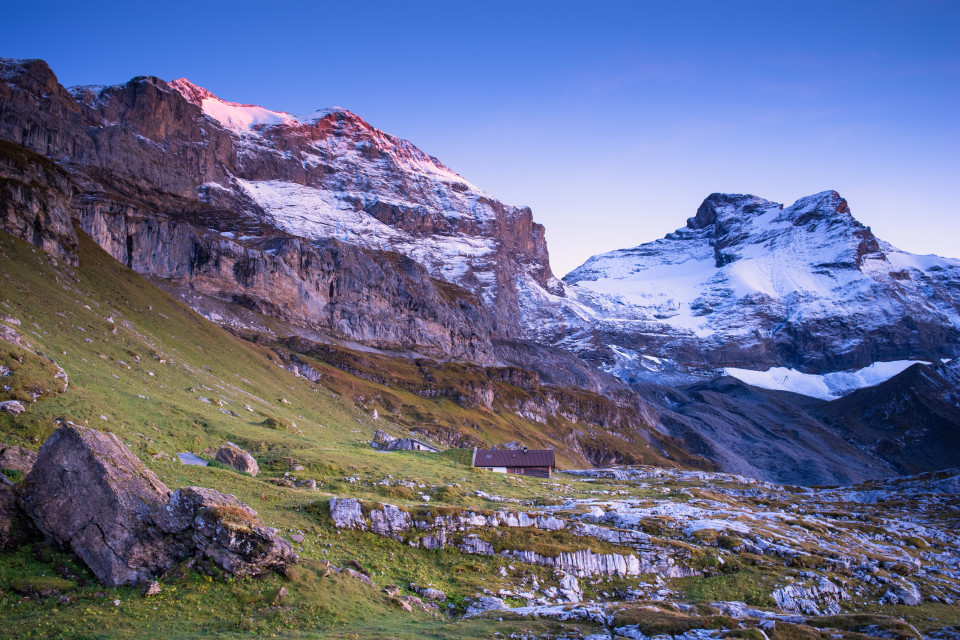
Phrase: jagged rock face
pixel 220 528
pixel 141 130
pixel 88 493
pixel 378 298
pixel 750 283
pixel 333 175
pixel 448 530
pixel 35 197
pixel 153 174
pixel 822 599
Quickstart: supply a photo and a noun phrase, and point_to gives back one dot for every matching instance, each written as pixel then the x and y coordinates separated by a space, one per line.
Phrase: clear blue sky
pixel 613 120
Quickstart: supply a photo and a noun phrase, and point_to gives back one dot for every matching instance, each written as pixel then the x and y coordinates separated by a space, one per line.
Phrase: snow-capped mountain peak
pixel 316 129
pixel 333 175
pixel 749 282
pixel 243 118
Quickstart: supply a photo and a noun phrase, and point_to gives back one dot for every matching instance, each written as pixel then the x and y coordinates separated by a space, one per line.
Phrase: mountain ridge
pixel 331 231
pixel 747 282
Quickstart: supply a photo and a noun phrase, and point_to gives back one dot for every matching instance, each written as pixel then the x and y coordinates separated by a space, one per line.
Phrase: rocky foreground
pixel 86 492
pixel 659 536
pixel 620 552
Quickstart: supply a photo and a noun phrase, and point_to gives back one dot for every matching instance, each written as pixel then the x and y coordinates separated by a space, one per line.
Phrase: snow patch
pixel 827 386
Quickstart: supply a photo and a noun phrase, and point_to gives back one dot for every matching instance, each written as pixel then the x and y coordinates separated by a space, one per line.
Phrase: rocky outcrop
pixel 383 440
pixel 233 456
pixel 222 529
pixel 480 604
pixel 456 529
pixel 152 173
pixel 907 593
pixel 12 407
pixel 17 458
pixel 823 598
pixel 433 594
pixel 382 299
pixel 88 493
pixel 35 199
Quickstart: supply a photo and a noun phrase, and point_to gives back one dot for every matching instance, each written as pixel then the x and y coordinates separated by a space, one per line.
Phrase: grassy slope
pixel 63 313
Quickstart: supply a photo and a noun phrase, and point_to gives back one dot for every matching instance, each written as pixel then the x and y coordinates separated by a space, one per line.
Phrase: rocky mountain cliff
pixel 324 221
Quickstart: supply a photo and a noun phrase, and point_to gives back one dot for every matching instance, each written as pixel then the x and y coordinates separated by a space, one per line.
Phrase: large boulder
pixel 233 456
pixel 219 527
pixel 382 440
pixel 485 603
pixel 88 493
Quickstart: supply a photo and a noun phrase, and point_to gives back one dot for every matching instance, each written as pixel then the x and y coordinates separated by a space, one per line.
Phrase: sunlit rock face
pixel 257 207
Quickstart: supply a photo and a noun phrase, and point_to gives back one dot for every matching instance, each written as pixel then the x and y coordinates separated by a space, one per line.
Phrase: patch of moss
pixel 741 586
pixel 14 475
pixel 41 586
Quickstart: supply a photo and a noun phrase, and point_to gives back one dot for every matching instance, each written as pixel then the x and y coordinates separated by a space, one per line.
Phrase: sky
pixel 611 120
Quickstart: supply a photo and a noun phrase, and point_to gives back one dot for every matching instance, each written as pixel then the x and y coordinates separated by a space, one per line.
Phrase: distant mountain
pixel 750 283
pixel 911 419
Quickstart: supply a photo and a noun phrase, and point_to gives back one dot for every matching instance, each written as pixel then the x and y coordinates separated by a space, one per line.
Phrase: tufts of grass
pixel 653 621
pixel 14 475
pixel 741 586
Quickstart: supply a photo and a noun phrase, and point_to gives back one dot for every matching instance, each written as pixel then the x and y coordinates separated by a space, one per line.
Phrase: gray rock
pixel 907 593
pixel 17 458
pixel 570 588
pixel 382 440
pixel 821 599
pixel 347 514
pixel 219 527
pixel 232 455
pixel 433 594
pixel 390 520
pixel 88 493
pixel 12 407
pixel 485 603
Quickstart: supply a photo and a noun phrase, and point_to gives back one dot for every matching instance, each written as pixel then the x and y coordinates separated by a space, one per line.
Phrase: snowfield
pixel 828 386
